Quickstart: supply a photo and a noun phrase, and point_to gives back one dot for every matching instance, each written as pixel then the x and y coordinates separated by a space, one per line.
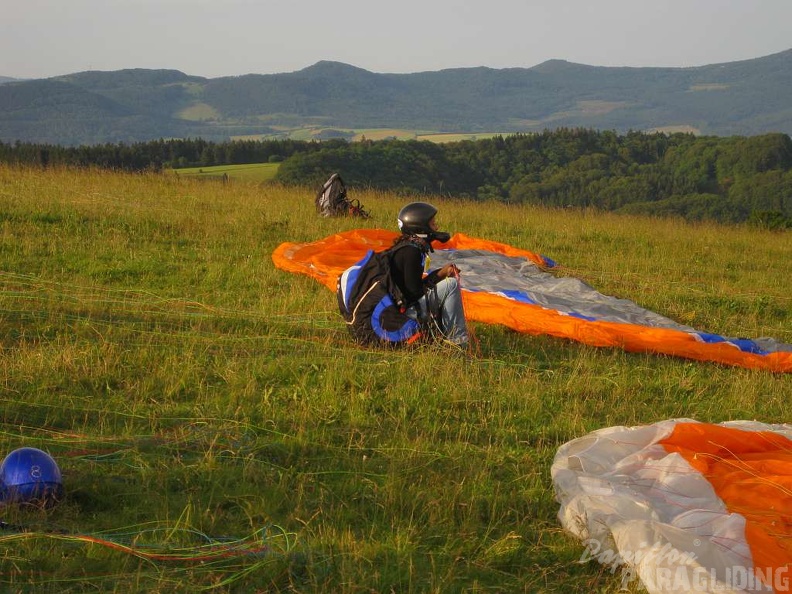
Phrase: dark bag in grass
pixel 372 305
pixel 332 201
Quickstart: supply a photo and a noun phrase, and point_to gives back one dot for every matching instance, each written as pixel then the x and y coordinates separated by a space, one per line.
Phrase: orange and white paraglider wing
pixel 681 505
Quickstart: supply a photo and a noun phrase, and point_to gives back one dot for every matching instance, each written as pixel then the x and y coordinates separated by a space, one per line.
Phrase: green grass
pixel 191 392
pixel 254 172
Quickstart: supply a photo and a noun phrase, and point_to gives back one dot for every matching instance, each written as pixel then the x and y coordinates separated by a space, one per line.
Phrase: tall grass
pixel 193 394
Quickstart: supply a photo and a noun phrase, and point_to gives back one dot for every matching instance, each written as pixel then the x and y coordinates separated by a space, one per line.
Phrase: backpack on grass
pixel 372 305
pixel 332 201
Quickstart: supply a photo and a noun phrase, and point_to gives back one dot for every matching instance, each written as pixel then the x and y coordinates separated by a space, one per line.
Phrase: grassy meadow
pixel 217 429
pixel 255 172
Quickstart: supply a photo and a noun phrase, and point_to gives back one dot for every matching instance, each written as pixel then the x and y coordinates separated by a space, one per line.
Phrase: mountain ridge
pixel 746 97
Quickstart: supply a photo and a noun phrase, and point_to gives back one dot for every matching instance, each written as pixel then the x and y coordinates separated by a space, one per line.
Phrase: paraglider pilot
pixel 435 296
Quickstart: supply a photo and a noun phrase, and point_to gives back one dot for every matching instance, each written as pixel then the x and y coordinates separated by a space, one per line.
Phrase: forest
pixel 732 179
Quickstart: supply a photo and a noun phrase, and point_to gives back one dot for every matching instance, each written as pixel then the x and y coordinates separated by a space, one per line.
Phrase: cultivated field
pixel 218 430
pixel 373 134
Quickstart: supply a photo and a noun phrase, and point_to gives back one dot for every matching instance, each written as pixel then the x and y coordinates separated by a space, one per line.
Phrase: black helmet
pixel 414 218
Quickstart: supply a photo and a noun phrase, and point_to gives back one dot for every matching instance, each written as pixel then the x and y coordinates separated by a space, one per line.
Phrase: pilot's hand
pixel 448 270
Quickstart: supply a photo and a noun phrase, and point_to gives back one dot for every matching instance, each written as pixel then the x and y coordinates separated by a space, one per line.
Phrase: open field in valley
pixel 218 430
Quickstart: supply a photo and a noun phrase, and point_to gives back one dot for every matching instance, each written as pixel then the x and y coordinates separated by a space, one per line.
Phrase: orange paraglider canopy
pixel 511 286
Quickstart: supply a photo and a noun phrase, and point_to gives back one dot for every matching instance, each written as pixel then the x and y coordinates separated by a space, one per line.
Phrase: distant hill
pixel 738 98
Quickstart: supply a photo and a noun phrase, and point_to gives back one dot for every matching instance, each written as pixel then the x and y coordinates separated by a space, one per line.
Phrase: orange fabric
pixel 327 258
pixel 751 472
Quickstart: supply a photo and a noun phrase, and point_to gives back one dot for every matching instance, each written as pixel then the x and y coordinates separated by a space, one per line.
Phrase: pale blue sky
pixel 212 38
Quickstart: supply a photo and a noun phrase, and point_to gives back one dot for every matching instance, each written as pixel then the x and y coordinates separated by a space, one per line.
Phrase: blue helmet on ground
pixel 30 475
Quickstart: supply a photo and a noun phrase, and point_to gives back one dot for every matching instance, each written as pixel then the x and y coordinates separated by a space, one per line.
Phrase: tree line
pixel 155 155
pixel 726 179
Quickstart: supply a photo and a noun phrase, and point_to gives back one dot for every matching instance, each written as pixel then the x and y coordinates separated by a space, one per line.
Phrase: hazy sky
pixel 212 38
